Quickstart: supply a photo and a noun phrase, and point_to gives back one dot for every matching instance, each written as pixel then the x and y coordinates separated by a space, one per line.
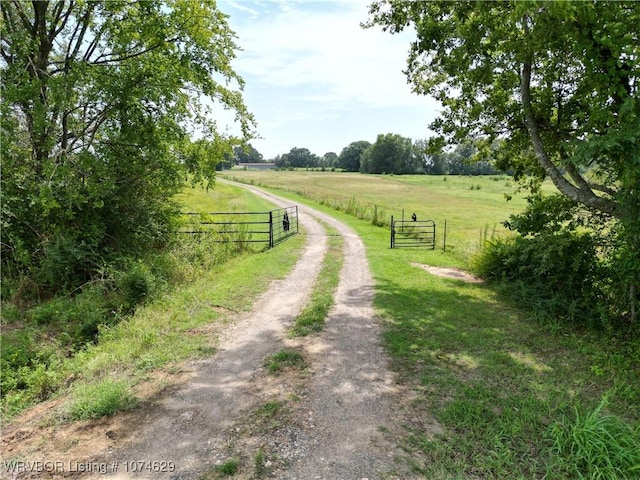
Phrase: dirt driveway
pixel 333 419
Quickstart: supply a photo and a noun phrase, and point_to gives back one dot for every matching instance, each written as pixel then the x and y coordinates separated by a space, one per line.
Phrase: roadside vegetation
pixel 122 327
pixel 502 391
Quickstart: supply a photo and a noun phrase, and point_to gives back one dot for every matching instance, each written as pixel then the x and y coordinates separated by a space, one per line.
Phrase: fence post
pixel 297 222
pixel 270 229
pixel 392 230
pixel 444 241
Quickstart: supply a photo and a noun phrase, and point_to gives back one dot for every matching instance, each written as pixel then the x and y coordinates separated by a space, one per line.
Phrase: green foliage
pixel 101 399
pixel 96 101
pixel 53 330
pixel 297 158
pixel 556 275
pixel 548 215
pixel 390 153
pixel 594 445
pixel 246 154
pixel 351 156
pixel 553 85
pixel 567 264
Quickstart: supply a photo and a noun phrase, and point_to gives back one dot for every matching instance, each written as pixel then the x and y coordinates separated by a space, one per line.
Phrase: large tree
pixel 298 158
pixel 98 99
pixel 557 80
pixel 390 153
pixel 556 83
pixel 247 154
pixel 351 155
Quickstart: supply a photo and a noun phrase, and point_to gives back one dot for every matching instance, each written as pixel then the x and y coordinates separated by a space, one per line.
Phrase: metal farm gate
pixel 268 228
pixel 413 233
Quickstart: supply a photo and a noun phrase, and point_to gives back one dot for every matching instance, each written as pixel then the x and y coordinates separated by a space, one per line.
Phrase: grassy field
pixel 473 207
pixel 498 394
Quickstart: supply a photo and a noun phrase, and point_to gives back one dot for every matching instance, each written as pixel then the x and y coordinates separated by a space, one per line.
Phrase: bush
pixel 37 339
pixel 556 274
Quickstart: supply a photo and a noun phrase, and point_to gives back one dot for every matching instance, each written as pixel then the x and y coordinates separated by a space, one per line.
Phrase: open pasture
pixel 473 207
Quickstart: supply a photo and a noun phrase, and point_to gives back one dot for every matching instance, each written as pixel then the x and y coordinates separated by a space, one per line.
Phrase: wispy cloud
pixel 312 59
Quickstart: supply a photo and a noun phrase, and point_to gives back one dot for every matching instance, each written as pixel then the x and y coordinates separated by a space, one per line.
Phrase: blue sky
pixel 316 79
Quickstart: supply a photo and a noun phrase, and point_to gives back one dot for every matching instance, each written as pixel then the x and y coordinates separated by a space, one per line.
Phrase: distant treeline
pixel 390 153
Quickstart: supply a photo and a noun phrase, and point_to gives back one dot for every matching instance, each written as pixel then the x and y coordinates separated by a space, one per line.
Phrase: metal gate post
pixel 393 231
pixel 270 229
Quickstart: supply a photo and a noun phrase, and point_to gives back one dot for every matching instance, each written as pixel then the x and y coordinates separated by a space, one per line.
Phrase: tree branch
pixel 577 194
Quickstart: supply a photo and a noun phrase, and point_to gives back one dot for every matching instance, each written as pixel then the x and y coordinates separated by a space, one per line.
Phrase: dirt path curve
pixel 337 409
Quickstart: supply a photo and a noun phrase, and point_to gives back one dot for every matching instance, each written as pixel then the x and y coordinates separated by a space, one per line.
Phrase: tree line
pixel 390 153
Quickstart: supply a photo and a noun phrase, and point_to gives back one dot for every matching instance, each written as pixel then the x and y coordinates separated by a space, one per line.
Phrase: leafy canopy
pixel 98 101
pixel 557 81
pixel 554 85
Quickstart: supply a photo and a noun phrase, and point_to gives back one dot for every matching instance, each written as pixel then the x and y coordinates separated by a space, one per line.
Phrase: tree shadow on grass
pixel 492 380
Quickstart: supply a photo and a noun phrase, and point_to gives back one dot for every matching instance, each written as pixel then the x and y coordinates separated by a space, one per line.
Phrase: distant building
pixel 256 166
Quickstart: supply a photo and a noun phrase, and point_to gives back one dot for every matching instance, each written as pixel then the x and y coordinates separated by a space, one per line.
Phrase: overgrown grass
pixel 95 400
pixel 594 445
pixel 497 390
pixel 312 317
pixel 150 319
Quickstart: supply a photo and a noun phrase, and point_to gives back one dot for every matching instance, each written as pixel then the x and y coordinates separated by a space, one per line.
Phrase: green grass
pixel 595 445
pixel 228 468
pixel 259 462
pixel 471 214
pixel 221 198
pixel 269 410
pixel 95 400
pixel 312 317
pixel 511 397
pixel 495 381
pixel 284 359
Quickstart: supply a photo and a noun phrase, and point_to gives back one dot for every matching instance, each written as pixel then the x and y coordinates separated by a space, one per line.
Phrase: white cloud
pixel 305 62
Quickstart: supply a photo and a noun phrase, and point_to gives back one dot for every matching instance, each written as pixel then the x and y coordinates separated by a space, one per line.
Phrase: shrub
pixel 557 274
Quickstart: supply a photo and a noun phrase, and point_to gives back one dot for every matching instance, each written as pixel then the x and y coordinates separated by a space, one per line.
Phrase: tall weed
pixel 594 445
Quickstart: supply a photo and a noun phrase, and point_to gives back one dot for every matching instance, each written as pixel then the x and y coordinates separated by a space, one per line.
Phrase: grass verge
pixel 186 292
pixel 312 317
